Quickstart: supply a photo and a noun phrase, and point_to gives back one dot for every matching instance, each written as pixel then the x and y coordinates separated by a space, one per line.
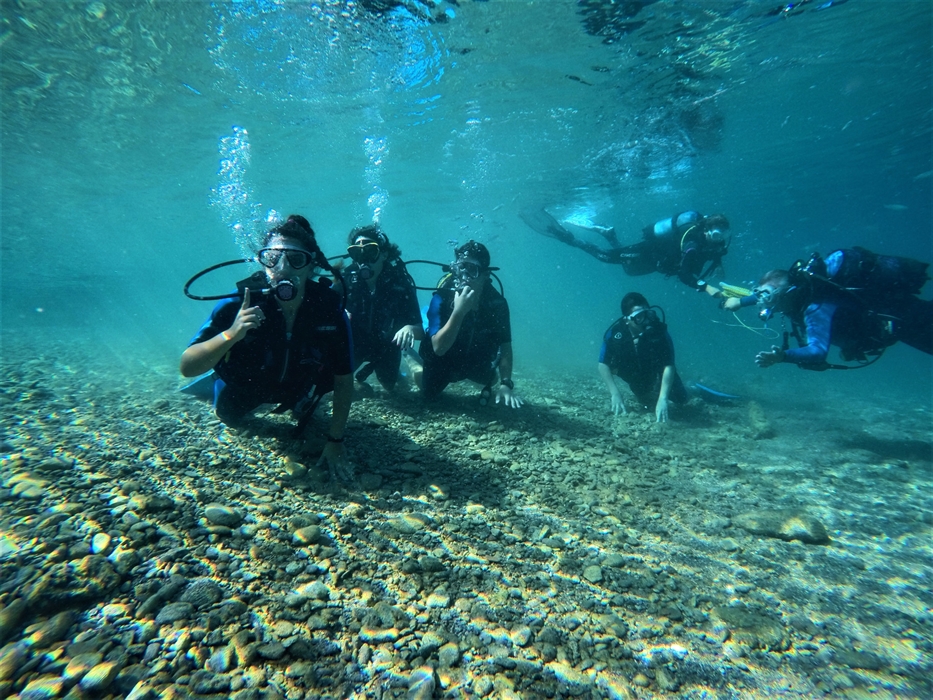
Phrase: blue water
pixel 136 139
pixel 142 142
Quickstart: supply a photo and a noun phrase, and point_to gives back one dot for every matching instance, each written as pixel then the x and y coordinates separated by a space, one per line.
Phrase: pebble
pixel 173 612
pixel 79 665
pixel 219 514
pixel 307 535
pixel 448 655
pixel 100 543
pixel 202 593
pixel 100 677
pixel 791 524
pixel 421 684
pixel 593 573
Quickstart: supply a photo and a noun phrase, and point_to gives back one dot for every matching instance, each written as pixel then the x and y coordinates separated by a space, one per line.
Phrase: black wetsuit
pixel 271 366
pixel 475 353
pixel 641 364
pixel 674 247
pixel 376 316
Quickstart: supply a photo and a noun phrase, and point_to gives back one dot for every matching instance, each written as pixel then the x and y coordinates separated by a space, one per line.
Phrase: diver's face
pixel 286 259
pixel 470 273
pixel 769 295
pixel 637 318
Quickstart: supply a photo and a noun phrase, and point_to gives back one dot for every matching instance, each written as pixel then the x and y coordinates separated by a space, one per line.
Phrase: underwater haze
pixel 143 141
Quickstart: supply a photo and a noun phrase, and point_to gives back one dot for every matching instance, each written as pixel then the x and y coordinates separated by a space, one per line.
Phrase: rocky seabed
pixel 146 551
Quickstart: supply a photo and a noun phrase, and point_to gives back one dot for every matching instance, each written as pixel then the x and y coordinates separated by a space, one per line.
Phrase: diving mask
pixel 363 253
pixel 466 271
pixel 295 257
pixel 639 317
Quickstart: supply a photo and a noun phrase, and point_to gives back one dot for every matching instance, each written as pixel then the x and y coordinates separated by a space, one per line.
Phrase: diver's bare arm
pixel 202 357
pixel 606 374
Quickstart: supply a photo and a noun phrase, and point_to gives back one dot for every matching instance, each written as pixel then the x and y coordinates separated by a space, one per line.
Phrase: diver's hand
pixel 618 405
pixel 247 318
pixel 334 457
pixel 732 304
pixel 465 300
pixel 508 397
pixel 766 359
pixel 405 338
pixel 660 411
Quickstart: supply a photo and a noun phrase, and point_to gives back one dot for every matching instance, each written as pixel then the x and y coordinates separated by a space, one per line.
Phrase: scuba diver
pixel 688 245
pixel 287 344
pixel 855 299
pixel 382 305
pixel 469 333
pixel 638 349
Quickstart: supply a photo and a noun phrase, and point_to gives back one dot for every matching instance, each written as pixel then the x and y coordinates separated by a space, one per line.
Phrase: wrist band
pixel 226 337
pixel 507 382
pixel 333 439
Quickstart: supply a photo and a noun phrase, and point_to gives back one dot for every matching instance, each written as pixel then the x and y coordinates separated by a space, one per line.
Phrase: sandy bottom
pixel 742 551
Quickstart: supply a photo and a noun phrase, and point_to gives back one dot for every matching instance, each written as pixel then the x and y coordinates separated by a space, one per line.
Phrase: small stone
pixel 421 684
pixel 9 619
pixel 202 593
pixel 438 493
pixel 100 543
pixel 614 561
pixel 79 665
pixel 593 573
pixel 438 600
pixel 11 657
pixel 222 660
pixel 99 677
pixel 789 524
pixel 307 535
pixel 448 655
pixel 219 514
pixel 430 564
pixel 521 636
pixel 42 688
pixel 206 683
pixel 316 590
pixel 283 629
pixel 173 612
pixel 641 680
pixel 271 651
pixel 483 686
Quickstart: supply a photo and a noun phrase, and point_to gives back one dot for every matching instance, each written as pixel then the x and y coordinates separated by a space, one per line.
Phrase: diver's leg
pixel 232 405
pixel 545 224
pixel 434 379
pixel 678 392
pixel 387 364
pixel 915 325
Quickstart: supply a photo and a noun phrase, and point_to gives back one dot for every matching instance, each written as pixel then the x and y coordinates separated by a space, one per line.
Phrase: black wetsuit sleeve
pixel 691 265
pixel 222 317
pixel 503 323
pixel 409 311
pixel 342 349
pixel 666 351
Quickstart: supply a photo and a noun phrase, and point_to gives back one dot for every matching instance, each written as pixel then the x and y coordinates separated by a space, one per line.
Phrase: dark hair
pixel 472 249
pixel 373 232
pixel 631 300
pixel 778 278
pixel 298 228
pixel 716 221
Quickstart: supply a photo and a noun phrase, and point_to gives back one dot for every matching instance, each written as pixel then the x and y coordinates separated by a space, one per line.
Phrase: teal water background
pixel 135 135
